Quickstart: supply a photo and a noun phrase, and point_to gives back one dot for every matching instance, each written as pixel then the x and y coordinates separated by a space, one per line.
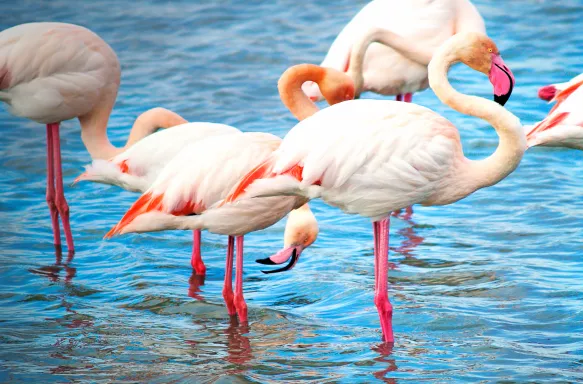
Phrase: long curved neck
pixel 512 141
pixel 290 89
pixel 410 49
pixel 94 128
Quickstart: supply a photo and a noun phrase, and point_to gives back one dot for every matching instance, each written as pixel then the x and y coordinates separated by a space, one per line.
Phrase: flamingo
pixel 548 92
pixel 187 193
pixel 137 168
pixel 409 32
pixel 371 157
pixel 52 72
pixel 563 127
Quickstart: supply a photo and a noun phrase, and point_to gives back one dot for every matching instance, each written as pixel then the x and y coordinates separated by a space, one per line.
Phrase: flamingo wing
pixel 201 175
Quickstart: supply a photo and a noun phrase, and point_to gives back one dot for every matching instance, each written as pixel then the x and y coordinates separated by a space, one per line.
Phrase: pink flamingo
pixel 136 168
pixel 52 72
pixel 371 157
pixel 187 193
pixel 563 127
pixel 409 32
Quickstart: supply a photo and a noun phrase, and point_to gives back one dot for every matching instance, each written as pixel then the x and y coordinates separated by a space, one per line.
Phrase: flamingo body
pixel 201 176
pixel 52 72
pixel 385 71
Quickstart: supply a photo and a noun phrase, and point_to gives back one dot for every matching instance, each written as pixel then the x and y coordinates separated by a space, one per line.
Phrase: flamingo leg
pixel 381 299
pixel 228 286
pixel 51 191
pixel 408 97
pixel 239 299
pixel 60 201
pixel 409 210
pixel 196 259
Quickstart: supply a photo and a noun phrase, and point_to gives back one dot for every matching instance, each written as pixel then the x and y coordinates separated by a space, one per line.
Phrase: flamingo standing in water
pixel 563 127
pixel 187 193
pixel 137 168
pixel 409 32
pixel 52 72
pixel 371 157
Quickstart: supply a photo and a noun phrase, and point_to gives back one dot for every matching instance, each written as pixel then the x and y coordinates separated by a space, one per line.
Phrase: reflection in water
pixel 385 351
pixel 238 345
pixel 194 283
pixel 52 272
pixel 412 239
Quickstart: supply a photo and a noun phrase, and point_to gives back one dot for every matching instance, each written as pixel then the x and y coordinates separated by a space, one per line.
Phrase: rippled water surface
pixel 487 289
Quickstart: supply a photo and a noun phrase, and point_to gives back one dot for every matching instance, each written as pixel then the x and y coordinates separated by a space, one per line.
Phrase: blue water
pixel 485 290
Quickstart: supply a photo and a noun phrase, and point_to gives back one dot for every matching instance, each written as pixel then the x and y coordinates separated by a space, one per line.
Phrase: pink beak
pixel 293 252
pixel 502 79
pixel 547 92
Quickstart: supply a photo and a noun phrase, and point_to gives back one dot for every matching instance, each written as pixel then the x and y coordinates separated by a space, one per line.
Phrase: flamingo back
pixel 50 72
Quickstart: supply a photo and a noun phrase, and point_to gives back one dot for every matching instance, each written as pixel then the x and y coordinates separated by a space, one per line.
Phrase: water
pixel 487 289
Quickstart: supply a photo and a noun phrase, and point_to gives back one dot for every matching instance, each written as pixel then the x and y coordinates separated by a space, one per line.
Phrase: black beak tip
pixel 266 261
pixel 502 99
pixel 292 262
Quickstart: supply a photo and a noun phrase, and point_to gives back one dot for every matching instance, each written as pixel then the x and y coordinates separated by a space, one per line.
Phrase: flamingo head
pixel 479 52
pixel 301 231
pixel 336 86
pixel 547 92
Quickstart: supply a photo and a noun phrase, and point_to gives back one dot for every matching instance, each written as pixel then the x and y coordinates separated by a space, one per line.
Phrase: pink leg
pixel 228 286
pixel 408 97
pixel 381 299
pixel 51 190
pixel 239 299
pixel 196 259
pixel 399 98
pixel 60 201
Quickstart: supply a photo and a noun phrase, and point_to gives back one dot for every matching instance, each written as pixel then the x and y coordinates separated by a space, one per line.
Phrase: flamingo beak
pixel 291 253
pixel 502 79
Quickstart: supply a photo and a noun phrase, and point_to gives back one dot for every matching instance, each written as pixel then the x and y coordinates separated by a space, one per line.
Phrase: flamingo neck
pixel 290 89
pixel 512 140
pixel 94 129
pixel 411 50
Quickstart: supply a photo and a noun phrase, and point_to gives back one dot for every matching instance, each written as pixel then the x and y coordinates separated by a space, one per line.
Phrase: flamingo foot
pixel 196 260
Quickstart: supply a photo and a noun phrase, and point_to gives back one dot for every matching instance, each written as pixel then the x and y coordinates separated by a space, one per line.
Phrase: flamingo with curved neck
pixel 302 227
pixel 408 33
pixel 371 157
pixel 69 72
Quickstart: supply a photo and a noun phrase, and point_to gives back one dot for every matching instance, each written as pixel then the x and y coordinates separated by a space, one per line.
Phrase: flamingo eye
pixel 490 50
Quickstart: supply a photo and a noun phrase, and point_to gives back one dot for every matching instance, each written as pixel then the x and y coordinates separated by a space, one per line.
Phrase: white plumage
pixel 136 168
pixel 426 24
pixel 51 72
